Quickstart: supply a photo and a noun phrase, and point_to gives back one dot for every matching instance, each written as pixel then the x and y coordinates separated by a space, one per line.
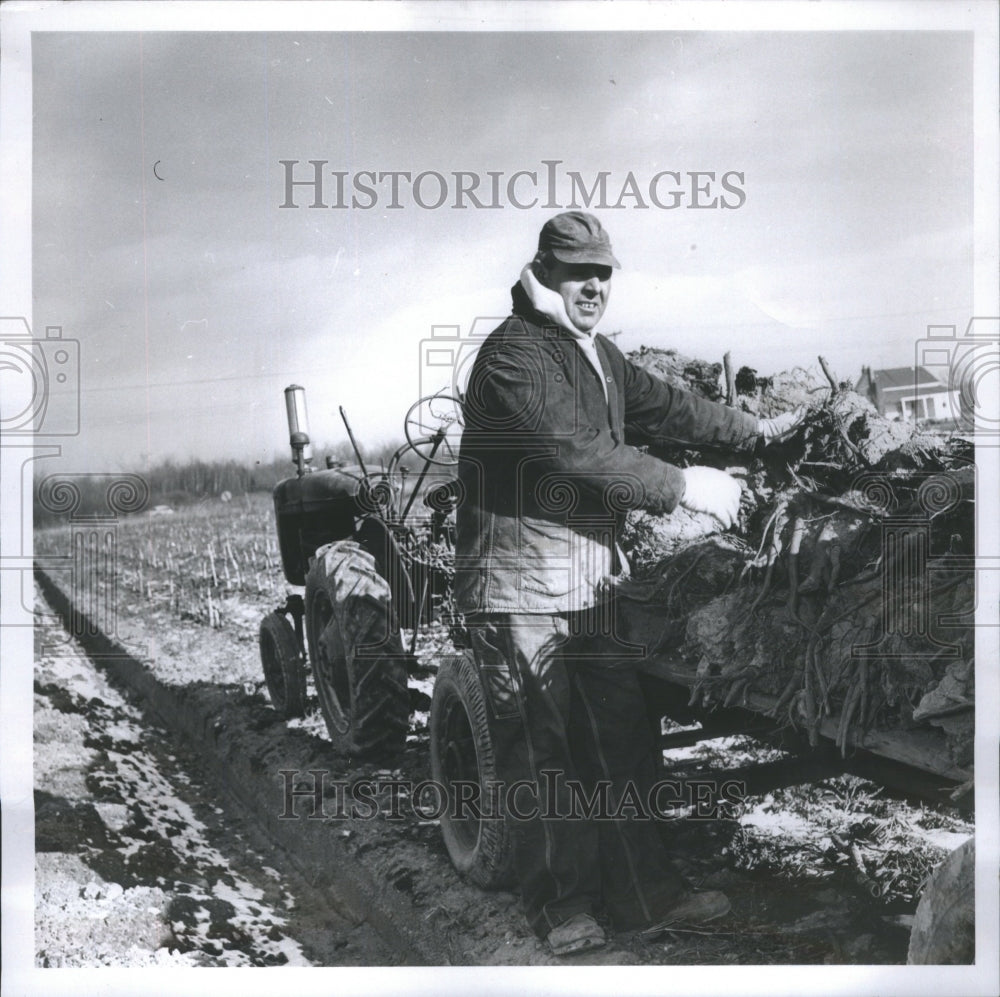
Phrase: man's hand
pixel 781 426
pixel 711 491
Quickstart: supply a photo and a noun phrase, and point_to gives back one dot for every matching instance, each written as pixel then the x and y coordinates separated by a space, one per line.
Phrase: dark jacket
pixel 546 469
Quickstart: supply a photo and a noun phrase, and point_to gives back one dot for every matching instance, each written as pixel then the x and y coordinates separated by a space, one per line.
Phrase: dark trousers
pixel 566 708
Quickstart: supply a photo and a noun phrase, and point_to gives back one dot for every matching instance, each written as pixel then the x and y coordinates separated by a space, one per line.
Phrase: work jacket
pixel 547 470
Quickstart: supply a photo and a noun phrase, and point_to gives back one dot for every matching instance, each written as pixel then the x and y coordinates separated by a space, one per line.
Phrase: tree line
pixel 178 483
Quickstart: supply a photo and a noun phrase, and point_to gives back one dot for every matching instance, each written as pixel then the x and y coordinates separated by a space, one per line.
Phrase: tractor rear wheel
pixel 284 669
pixel 462 752
pixel 356 654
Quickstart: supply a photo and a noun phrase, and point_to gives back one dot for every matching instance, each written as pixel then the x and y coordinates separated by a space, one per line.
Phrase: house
pixel 910 393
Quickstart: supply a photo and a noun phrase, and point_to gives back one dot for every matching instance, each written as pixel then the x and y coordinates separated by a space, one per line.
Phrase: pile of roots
pixel 845 591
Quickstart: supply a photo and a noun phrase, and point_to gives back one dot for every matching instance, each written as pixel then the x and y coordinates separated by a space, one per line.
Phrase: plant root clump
pixel 845 590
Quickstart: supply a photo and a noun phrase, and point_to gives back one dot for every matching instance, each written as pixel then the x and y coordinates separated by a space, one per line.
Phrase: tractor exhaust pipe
pixel 298 428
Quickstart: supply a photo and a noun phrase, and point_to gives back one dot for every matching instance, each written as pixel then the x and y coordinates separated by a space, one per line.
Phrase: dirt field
pixel 821 872
pixel 127 872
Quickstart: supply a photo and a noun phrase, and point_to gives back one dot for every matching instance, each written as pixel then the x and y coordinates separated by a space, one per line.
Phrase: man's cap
pixel 576 237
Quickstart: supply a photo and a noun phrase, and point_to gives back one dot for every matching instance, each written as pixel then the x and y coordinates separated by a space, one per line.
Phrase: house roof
pixel 916 381
pixel 905 377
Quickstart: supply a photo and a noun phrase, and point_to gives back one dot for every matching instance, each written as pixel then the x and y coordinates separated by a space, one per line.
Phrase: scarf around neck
pixel 552 306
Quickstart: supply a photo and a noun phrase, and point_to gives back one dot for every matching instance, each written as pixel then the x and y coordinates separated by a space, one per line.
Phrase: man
pixel 546 476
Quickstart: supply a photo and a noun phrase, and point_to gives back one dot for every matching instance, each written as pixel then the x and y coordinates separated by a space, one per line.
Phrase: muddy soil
pixel 382 889
pixel 137 864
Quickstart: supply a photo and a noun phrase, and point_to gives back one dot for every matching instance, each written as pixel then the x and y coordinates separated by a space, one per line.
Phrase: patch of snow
pixel 947 841
pixel 771 820
pixel 114 815
pixel 738 749
pixel 237 896
pixel 312 724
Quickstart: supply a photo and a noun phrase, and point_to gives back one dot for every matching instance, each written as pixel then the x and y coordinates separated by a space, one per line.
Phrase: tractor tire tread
pixel 378 714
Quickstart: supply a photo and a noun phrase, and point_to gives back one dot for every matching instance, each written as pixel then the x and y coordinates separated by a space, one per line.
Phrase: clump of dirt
pixel 661 598
pixel 950 704
pixel 680 371
pixel 769 396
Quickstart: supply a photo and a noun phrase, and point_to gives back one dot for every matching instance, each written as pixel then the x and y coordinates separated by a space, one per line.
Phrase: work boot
pixel 692 908
pixel 580 933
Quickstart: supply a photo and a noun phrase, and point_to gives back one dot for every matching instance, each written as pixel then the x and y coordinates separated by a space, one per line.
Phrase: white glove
pixel 711 491
pixel 781 426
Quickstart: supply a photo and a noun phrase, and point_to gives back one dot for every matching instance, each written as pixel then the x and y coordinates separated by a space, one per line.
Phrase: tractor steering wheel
pixel 432 426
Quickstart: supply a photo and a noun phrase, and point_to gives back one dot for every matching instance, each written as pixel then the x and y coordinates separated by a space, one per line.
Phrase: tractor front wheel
pixel 284 669
pixel 356 654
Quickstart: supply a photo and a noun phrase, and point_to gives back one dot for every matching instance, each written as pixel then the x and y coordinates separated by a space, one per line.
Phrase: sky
pixel 196 298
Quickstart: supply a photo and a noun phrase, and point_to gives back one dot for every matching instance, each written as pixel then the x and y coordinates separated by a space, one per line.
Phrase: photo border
pixel 19 22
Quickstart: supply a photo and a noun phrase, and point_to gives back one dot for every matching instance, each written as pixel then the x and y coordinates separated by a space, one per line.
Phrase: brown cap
pixel 576 237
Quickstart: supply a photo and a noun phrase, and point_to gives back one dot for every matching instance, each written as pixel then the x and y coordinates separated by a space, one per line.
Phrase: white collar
pixel 550 304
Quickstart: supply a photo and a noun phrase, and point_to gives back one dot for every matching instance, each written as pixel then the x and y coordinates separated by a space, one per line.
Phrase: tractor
pixel 374 551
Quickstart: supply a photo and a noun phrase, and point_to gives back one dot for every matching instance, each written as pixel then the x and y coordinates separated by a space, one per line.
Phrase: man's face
pixel 584 288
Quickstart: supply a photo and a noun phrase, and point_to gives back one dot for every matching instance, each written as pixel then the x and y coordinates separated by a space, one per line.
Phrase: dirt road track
pixel 215 720
pixel 134 866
